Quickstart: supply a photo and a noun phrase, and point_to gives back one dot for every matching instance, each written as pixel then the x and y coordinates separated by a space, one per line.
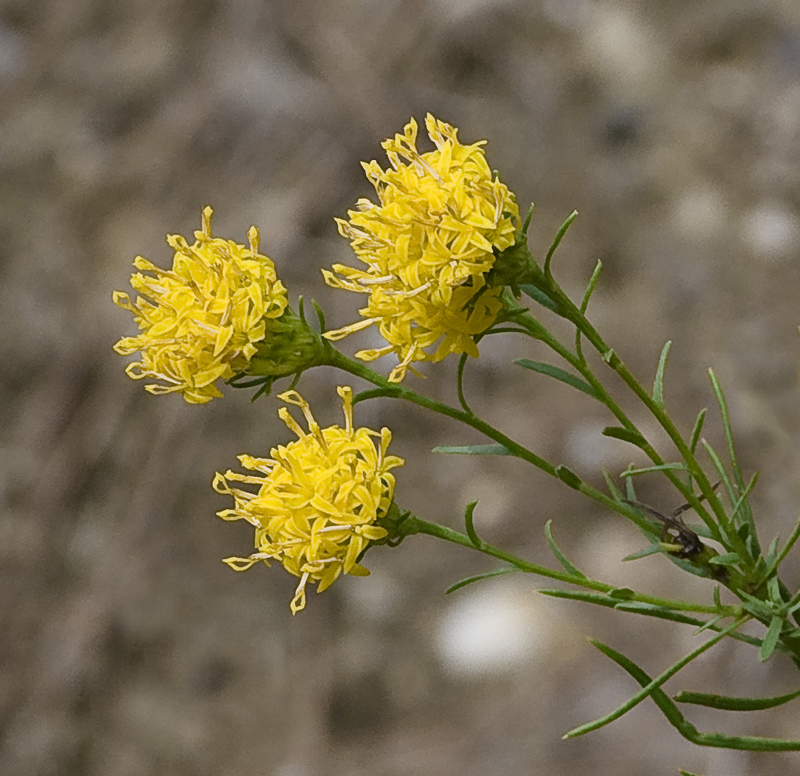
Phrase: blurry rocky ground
pixel 127 648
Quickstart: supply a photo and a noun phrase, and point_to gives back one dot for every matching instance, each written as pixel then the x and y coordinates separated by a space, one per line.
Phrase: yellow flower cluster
pixel 318 498
pixel 427 247
pixel 200 322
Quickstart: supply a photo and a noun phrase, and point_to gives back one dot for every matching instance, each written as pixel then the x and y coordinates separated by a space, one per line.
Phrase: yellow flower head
pixel 427 247
pixel 201 321
pixel 318 498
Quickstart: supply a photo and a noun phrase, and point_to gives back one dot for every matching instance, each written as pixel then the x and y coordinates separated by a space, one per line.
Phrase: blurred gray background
pixel 127 647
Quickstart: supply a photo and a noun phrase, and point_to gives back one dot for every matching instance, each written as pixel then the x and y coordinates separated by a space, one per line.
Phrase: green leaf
pixel 772 552
pixel 622 593
pixel 658 384
pixel 790 542
pixel 615 492
pixel 662 700
pixel 568 477
pixel 539 296
pixel 559 235
pixel 641 607
pixel 472 449
pixel 755 606
pixel 469 513
pixel 723 475
pixel 654 685
pixel 558 374
pixel 462 363
pixel 626 435
pixel 741 504
pixel 320 315
pixel 634 607
pixel 631 472
pixel 710 624
pixel 556 550
pixel 771 639
pixel 630 489
pixel 527 222
pixel 698 429
pixel 684 727
pixel 747 512
pixel 646 552
pixel 701 529
pixel 774 589
pixel 727 703
pixel 686 773
pixel 728 559
pixel 479 577
pixel 590 288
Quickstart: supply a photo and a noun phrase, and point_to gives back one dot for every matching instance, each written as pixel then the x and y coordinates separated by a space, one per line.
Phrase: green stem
pixel 395 390
pixel 538 331
pixel 412 524
pixel 664 420
pixel 568 309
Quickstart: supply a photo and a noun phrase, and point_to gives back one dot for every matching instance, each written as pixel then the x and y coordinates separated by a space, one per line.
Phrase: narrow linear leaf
pixel 556 550
pixel 472 450
pixel 647 469
pixel 469 516
pixel 479 577
pixel 710 624
pixel 698 429
pixel 658 383
pixel 684 727
pixel 757 608
pixel 320 315
pixel 774 589
pixel 728 559
pixel 662 700
pixel 622 593
pixel 630 488
pixel 771 639
pixel 747 512
pixel 633 607
pixel 568 477
pixel 246 381
pixel 527 222
pixel 772 552
pixel 626 435
pixel 590 288
pixel 558 374
pixel 615 492
pixel 655 684
pixel 600 599
pixel 701 529
pixel 539 296
pixel 640 606
pixel 653 549
pixel 718 465
pixel 686 773
pixel 790 542
pixel 559 235
pixel 741 504
pixel 727 703
pixel 462 399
